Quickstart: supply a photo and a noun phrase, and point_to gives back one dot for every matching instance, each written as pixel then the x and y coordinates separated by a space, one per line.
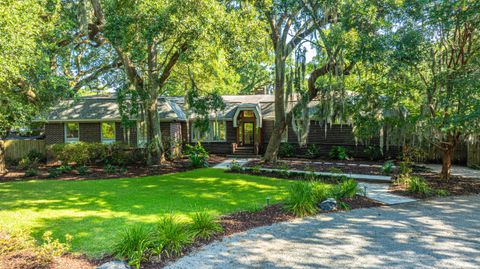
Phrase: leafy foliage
pixel 301 199
pixel 172 235
pixel 134 243
pixel 204 226
pixel 387 167
pixel 313 151
pixel 235 166
pixel 286 150
pixel 338 153
pixel 197 154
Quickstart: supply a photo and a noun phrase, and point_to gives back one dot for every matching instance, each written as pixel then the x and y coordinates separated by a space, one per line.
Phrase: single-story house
pixel 243 127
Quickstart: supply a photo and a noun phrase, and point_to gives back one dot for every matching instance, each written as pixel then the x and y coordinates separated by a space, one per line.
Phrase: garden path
pixel 457 170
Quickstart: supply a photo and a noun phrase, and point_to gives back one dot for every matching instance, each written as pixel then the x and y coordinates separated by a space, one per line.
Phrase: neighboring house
pixel 244 127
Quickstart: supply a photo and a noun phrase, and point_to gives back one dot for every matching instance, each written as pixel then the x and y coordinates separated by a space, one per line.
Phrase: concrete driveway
pixel 441 233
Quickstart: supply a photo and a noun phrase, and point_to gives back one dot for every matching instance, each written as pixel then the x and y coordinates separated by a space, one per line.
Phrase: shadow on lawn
pixel 442 233
pixel 94 211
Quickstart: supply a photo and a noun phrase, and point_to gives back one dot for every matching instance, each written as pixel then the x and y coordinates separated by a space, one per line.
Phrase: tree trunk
pixel 3 166
pixel 447 156
pixel 280 121
pixel 154 135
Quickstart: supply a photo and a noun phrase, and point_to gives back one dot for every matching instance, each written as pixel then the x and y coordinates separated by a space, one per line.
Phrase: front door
pixel 248 133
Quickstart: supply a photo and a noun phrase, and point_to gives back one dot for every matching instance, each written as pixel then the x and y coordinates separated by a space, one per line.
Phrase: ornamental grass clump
pixel 135 244
pixel 172 235
pixel 204 226
pixel 419 185
pixel 301 199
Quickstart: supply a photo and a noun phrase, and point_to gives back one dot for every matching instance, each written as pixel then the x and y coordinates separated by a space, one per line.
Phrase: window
pixel 71 132
pixel 248 114
pixel 217 129
pixel 216 132
pixel 141 134
pixel 108 132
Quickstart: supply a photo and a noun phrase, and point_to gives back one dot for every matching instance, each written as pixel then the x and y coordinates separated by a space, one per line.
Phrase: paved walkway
pixel 441 233
pixel 457 170
pixel 377 191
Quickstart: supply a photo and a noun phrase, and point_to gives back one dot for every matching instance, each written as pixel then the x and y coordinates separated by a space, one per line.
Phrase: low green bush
pixel 301 199
pixel 256 169
pixel 339 153
pixel 235 167
pixel 118 154
pixel 419 185
pixel 173 235
pixel 27 163
pixel 31 172
pixel 83 170
pixel 442 192
pixel 205 226
pixel 346 189
pixel 373 153
pixel 197 154
pixel 135 244
pixel 110 169
pixel 53 173
pixel 313 151
pixel 285 150
pixel 64 168
pixel 387 167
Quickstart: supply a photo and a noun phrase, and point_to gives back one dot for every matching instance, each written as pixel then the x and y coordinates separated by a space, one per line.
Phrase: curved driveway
pixel 441 233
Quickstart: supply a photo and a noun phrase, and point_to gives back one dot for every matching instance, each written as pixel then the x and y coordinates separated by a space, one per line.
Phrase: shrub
pixel 64 168
pixel 313 151
pixel 35 155
pixel 97 152
pixel 235 166
pixel 285 150
pixel 419 185
pixel 53 173
pixel 135 244
pixel 198 155
pixel 31 172
pixel 172 235
pixel 320 191
pixel 339 153
pixel 346 189
pixel 71 153
pixel 405 168
pixel 387 167
pixel 118 154
pixel 301 199
pixel 442 192
pixel 373 153
pixel 24 252
pixel 83 170
pixel 204 226
pixel 256 169
pixel 254 207
pixel 26 163
pixel 110 169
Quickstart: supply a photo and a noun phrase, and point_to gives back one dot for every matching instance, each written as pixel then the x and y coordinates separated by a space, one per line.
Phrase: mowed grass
pixel 94 211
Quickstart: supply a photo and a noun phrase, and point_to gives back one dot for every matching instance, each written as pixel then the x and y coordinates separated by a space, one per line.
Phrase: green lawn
pixel 93 211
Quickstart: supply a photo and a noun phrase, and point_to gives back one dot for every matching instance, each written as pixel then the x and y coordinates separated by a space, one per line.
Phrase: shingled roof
pixel 105 108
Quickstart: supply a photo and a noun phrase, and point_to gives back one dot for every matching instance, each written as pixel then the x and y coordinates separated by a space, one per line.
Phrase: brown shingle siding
pixel 90 132
pixel 54 133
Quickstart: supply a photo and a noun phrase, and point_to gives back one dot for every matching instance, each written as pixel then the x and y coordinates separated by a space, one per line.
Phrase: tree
pixel 27 84
pixel 439 43
pixel 340 41
pixel 152 38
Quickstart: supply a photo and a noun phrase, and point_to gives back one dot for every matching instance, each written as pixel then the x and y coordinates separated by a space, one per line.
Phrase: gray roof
pixel 105 107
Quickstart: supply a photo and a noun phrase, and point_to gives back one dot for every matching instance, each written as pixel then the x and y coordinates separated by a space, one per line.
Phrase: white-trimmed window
pixel 217 132
pixel 108 132
pixel 72 132
pixel 141 134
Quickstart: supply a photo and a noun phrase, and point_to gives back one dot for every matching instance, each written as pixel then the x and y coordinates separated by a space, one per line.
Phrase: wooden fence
pixel 16 149
pixel 473 154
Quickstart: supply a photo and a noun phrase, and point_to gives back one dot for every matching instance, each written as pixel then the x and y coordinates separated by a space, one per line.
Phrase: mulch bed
pixel 349 166
pixel 455 185
pixel 97 172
